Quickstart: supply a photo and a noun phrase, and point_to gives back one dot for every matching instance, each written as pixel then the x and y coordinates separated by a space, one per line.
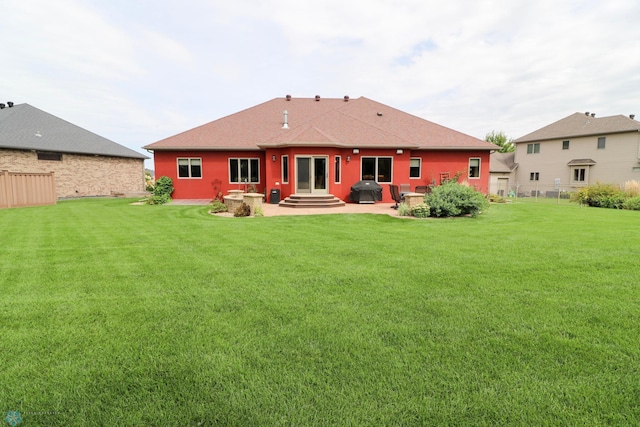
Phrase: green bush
pixel 420 211
pixel 632 204
pixel 453 199
pixel 600 196
pixel 404 210
pixel 258 212
pixel 162 191
pixel 494 198
pixel 218 206
pixel 243 210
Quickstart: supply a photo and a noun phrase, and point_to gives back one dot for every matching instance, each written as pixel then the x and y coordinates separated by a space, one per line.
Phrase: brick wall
pixel 81 175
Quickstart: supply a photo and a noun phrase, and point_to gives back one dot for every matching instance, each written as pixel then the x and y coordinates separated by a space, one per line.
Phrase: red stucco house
pixel 317 146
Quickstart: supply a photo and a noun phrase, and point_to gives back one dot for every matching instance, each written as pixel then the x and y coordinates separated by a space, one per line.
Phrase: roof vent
pixel 285 125
pixel 288 97
pixel 346 98
pixel 632 116
pixel 10 104
pixel 1 106
pixel 317 97
pixel 379 114
pixel 593 114
pixel 586 113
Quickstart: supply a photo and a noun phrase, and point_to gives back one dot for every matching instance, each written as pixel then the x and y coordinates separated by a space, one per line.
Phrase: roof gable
pixel 579 124
pixel 357 122
pixel 502 162
pixel 24 127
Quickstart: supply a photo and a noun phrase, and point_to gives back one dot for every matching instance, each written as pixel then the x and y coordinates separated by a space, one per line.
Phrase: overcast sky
pixel 137 71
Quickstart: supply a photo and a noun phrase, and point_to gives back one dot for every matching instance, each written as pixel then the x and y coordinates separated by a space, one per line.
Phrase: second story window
pixel 533 148
pixel 602 141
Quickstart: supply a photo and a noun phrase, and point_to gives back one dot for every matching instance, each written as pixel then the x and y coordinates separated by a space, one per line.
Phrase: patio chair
pixel 395 195
pixel 422 189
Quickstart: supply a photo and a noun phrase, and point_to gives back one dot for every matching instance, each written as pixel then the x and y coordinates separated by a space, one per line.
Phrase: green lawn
pixel 116 314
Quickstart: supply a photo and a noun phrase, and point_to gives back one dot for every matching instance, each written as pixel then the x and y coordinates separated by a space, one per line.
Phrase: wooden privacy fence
pixel 26 189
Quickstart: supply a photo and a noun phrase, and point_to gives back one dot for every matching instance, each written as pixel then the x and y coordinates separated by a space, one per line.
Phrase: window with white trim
pixel 474 168
pixel 565 145
pixel 579 174
pixel 602 142
pixel 415 166
pixel 285 169
pixel 189 168
pixel 244 170
pixel 336 169
pixel 376 168
pixel 534 176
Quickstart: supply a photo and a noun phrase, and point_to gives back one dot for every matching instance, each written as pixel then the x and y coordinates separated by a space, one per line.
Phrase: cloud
pixel 140 71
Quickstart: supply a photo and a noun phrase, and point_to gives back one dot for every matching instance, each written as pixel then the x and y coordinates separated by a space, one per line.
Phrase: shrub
pixel 420 211
pixel 632 188
pixel 404 210
pixel 218 206
pixel 258 212
pixel 243 210
pixel 601 196
pixel 453 199
pixel 494 198
pixel 161 191
pixel 632 204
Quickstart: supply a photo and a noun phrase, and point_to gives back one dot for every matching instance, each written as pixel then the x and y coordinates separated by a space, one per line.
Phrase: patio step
pixel 311 201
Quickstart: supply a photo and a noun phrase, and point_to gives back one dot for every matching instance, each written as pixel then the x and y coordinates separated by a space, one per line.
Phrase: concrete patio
pixel 276 210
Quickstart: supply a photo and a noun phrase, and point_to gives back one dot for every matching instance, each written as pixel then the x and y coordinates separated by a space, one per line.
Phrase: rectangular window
pixel 189 168
pixel 244 170
pixel 377 168
pixel 42 155
pixel 414 167
pixel 285 169
pixel 565 145
pixel 601 142
pixel 579 174
pixel 336 169
pixel 533 148
pixel 474 168
pixel 534 176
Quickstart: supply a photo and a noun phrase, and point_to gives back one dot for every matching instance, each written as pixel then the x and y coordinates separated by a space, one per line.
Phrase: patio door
pixel 312 175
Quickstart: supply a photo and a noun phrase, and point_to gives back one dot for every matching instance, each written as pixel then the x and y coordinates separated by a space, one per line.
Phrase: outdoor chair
pixel 395 195
pixel 422 189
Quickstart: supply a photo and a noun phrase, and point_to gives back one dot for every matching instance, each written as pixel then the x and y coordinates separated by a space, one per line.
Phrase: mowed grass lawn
pixel 117 314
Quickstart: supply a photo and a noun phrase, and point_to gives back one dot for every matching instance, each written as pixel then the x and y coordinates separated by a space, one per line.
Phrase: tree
pixel 500 139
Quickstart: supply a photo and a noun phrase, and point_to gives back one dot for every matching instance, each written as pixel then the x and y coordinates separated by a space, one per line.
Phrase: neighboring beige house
pixel 84 164
pixel 502 173
pixel 577 151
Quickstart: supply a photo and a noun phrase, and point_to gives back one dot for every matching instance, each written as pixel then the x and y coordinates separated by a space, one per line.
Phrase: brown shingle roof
pixel 502 162
pixel 359 122
pixel 582 124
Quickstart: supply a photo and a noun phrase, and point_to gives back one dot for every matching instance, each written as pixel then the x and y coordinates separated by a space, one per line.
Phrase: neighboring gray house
pixel 577 151
pixel 84 164
pixel 502 173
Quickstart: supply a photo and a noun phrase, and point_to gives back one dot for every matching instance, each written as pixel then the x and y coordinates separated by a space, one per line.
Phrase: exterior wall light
pixel 348 158
pixel 273 157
